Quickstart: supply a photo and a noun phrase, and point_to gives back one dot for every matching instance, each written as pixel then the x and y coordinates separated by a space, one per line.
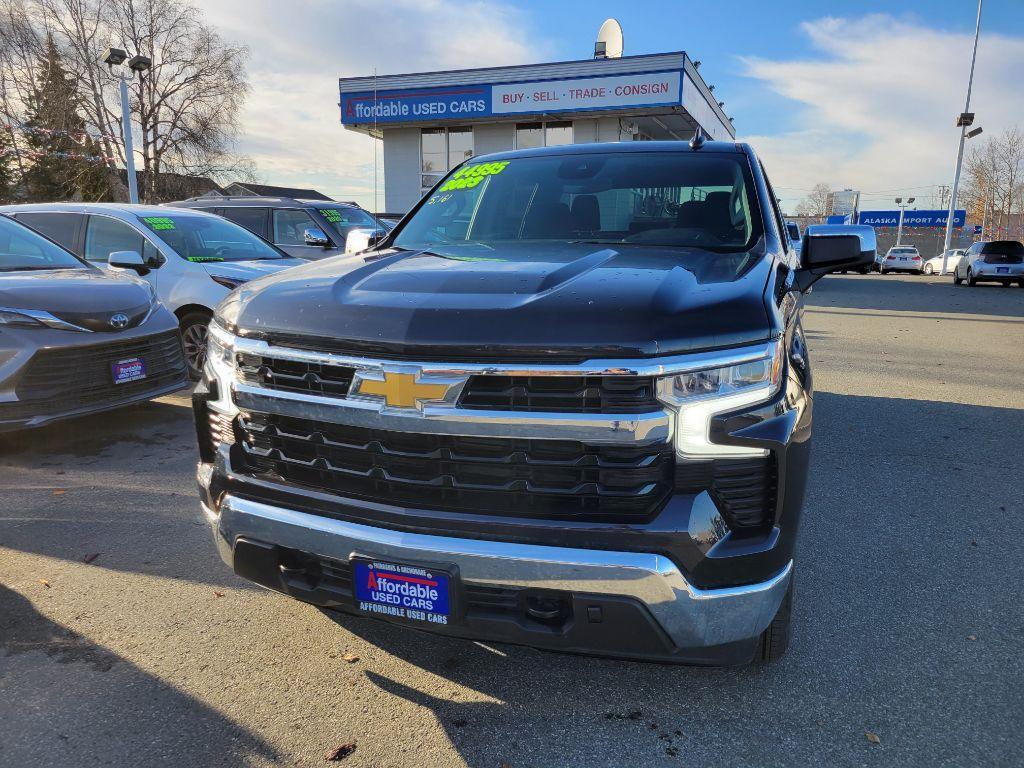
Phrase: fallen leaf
pixel 972 637
pixel 59 491
pixel 505 764
pixel 217 594
pixel 350 658
pixel 45 583
pixel 340 753
pixel 89 558
pixel 872 737
pixel 460 723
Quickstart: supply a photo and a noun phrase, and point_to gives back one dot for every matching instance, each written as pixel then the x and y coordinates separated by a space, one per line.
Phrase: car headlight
pixel 229 282
pixel 220 349
pixel 698 396
pixel 15 319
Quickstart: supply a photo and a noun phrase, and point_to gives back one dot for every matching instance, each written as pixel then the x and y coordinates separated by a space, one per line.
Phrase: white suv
pixel 192 259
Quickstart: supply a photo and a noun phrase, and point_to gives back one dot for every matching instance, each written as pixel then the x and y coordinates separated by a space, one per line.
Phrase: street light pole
pixel 129 152
pixel 115 57
pixel 963 122
pixel 903 208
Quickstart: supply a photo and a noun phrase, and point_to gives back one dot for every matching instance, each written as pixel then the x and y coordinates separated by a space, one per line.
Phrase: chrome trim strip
pixel 594 428
pixel 691 616
pixel 44 317
pixel 658 366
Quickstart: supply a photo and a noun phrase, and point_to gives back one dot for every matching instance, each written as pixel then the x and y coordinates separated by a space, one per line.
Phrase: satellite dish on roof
pixel 609 41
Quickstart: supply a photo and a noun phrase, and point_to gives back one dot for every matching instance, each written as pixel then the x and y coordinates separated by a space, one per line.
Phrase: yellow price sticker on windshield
pixel 468 176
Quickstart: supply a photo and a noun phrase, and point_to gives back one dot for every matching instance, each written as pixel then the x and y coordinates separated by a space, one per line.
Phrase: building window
pixel 531 135
pixel 442 149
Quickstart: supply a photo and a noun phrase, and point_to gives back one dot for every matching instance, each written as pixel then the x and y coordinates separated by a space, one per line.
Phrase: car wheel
pixel 775 639
pixel 956 278
pixel 970 279
pixel 864 270
pixel 928 269
pixel 1020 283
pixel 194 330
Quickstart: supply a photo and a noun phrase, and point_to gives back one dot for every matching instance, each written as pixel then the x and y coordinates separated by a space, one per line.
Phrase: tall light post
pixel 963 123
pixel 115 57
pixel 903 208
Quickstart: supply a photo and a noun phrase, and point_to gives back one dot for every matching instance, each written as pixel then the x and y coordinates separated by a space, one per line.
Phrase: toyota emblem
pixel 119 321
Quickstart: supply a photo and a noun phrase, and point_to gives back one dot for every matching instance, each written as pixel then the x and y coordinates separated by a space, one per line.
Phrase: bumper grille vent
pixel 563 394
pixel 549 479
pixel 744 489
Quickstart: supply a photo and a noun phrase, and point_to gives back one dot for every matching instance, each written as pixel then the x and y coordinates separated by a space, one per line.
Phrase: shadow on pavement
pixel 905 555
pixel 93 707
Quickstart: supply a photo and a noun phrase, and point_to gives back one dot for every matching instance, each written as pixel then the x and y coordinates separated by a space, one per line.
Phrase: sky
pixel 859 95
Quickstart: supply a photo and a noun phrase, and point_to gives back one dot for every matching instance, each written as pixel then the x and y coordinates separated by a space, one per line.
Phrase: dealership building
pixel 430 122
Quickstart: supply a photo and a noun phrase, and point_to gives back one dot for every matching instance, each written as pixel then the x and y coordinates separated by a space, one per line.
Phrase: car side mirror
pixel 128 260
pixel 316 237
pixel 359 240
pixel 832 247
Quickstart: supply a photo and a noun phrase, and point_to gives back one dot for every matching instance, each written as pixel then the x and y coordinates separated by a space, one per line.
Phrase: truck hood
pixel 521 301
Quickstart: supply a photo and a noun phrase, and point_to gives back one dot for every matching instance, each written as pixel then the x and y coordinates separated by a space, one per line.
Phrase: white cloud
pixel 290 125
pixel 877 100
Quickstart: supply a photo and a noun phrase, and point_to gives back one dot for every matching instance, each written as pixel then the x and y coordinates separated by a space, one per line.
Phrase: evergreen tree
pixel 7 173
pixel 65 161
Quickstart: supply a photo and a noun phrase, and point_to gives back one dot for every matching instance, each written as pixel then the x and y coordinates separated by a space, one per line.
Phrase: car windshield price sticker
pixel 469 176
pixel 331 215
pixel 158 223
pixel 402 591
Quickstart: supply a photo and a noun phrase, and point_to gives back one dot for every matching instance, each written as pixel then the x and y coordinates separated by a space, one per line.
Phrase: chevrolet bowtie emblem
pixel 401 390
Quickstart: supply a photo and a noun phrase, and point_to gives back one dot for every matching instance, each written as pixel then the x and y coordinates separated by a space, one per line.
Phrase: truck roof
pixel 616 147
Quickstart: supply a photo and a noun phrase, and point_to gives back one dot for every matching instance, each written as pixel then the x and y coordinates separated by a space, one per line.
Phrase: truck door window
pixel 253 219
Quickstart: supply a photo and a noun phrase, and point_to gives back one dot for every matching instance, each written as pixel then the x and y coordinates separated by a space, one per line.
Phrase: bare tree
pixel 816 203
pixel 187 104
pixel 993 187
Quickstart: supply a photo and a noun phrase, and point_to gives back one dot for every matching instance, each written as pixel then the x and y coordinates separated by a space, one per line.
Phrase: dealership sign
pixel 912 218
pixel 651 89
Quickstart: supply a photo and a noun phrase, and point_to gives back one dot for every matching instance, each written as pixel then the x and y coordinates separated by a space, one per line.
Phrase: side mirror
pixel 316 237
pixel 128 260
pixel 359 240
pixel 831 247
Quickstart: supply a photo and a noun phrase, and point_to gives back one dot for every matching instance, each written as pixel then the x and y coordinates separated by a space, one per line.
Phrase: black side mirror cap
pixel 831 247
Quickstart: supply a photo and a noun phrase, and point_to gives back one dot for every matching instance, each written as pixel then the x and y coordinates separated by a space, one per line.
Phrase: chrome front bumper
pixel 690 616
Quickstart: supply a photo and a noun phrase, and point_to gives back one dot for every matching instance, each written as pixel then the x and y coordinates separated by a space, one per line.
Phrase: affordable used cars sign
pixel 485 100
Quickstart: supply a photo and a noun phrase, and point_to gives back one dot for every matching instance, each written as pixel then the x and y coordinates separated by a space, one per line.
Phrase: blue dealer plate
pixel 132 369
pixel 402 591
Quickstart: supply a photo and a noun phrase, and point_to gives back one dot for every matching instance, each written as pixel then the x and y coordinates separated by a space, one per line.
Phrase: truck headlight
pixel 698 396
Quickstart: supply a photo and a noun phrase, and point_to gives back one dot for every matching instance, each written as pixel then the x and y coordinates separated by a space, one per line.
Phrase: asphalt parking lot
pixel 908 618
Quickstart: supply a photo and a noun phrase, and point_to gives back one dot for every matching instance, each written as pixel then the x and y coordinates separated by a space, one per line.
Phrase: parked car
pixel 933 266
pixel 75 339
pixel 992 261
pixel 308 229
pixel 793 229
pixel 192 259
pixel 544 415
pixel 902 258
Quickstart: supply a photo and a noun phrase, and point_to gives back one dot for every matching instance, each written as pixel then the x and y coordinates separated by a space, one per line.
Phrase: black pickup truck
pixel 565 403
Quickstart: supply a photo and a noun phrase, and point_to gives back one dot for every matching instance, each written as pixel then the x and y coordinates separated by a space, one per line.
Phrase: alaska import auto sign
pixel 649 89
pixel 911 218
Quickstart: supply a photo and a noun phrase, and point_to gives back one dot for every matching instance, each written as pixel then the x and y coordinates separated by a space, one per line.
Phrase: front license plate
pixel 1002 270
pixel 402 591
pixel 132 369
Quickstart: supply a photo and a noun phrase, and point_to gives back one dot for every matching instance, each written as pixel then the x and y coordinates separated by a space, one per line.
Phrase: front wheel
pixel 864 270
pixel 775 639
pixel 929 269
pixel 970 279
pixel 194 331
pixel 956 278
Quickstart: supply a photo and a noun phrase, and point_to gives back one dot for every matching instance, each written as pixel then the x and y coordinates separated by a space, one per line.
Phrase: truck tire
pixel 775 639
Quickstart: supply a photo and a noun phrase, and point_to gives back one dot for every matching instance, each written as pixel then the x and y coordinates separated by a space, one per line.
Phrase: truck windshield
pixel 344 220
pixel 22 249
pixel 668 199
pixel 207 238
